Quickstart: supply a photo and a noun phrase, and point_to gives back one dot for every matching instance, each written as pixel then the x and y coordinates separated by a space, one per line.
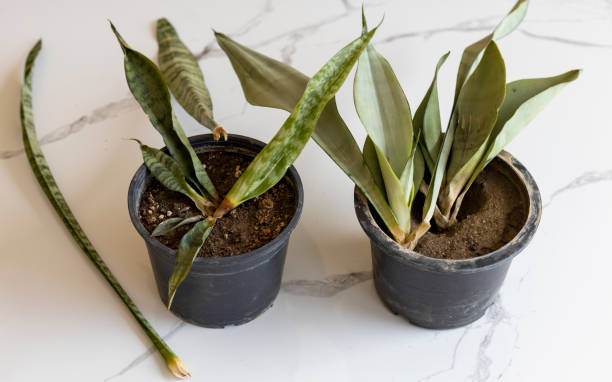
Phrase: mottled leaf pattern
pixel 203 180
pixel 171 224
pixel 477 107
pixel 188 249
pixel 47 182
pixel 167 171
pixel 149 89
pixel 269 166
pixel 271 83
pixel 184 77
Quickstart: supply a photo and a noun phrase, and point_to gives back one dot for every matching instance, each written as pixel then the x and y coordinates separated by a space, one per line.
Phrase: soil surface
pixel 491 215
pixel 249 226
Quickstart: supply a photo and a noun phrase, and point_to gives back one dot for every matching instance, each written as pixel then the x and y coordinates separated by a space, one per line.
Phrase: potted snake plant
pixel 445 212
pixel 216 213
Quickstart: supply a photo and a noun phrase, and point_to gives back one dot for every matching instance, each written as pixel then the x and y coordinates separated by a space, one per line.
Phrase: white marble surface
pixel 61 321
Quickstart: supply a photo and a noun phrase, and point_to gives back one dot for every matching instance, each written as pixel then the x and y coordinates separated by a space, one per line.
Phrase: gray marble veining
pixel 327 287
pixel 110 110
pixel 585 179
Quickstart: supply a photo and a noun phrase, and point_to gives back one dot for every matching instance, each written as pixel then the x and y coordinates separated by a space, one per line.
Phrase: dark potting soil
pixel 249 226
pixel 491 215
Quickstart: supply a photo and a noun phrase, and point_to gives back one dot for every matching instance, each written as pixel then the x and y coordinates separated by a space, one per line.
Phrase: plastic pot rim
pixel 477 264
pixel 201 265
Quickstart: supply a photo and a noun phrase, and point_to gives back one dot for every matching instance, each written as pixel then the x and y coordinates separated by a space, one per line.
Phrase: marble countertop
pixel 61 321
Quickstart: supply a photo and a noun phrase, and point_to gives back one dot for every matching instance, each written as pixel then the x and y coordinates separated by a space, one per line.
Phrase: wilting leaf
pixel 271 83
pixel 371 160
pixel 270 165
pixel 149 89
pixel 167 171
pixel 184 77
pixel 383 108
pixel 427 120
pixel 472 53
pixel 171 224
pixel 47 182
pixel 524 100
pixel 187 251
pixel 477 107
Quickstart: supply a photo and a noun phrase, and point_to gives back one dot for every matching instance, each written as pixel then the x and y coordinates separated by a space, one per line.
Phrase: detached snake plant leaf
pixel 188 249
pixel 270 83
pixel 171 224
pixel 524 100
pixel 427 121
pixel 167 171
pixel 477 108
pixel 472 53
pixel 49 186
pixel 269 166
pixel 149 89
pixel 184 77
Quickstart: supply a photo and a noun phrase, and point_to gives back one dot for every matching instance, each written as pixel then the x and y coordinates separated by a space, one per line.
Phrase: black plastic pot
pixel 225 290
pixel 438 293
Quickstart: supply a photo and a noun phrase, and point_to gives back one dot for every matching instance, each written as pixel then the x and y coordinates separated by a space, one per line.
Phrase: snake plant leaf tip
pixel 45 178
pixel 149 89
pixel 184 77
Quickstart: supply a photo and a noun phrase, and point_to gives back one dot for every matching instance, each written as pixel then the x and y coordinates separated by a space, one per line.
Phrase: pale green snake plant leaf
pixel 47 182
pixel 371 160
pixel 270 83
pixel 472 53
pixel 269 166
pixel 490 59
pixel 383 108
pixel 184 77
pixel 188 249
pixel 477 108
pixel 427 120
pixel 149 89
pixel 524 100
pixel 469 61
pixel 171 224
pixel 167 171
pixel 384 112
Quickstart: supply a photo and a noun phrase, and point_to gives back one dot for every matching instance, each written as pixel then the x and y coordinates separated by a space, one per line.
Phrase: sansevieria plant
pixel 407 153
pixel 181 169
